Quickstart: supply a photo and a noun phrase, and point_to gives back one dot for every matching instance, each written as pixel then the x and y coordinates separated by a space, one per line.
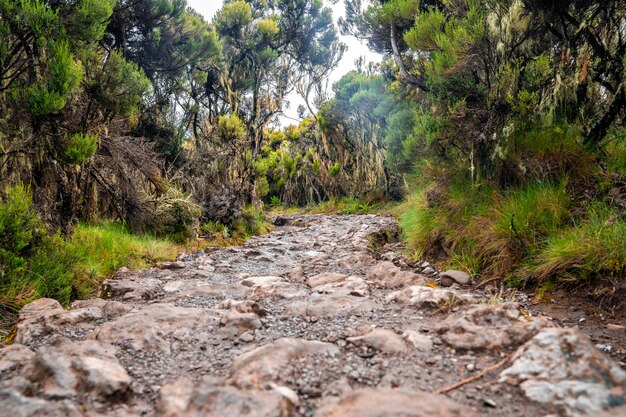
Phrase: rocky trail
pixel 305 321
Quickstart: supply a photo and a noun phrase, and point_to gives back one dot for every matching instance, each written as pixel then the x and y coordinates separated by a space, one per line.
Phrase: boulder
pixel 13 357
pixel 131 287
pixel 326 305
pixel 153 326
pixel 351 285
pixel 418 295
pixel 73 369
pixel 388 402
pixel 256 281
pixel 172 265
pixel 15 404
pixel 382 340
pixel 485 326
pixel 265 363
pixel 280 290
pixel 325 278
pixel 561 367
pixel 235 323
pixel 185 398
pixel 418 341
pixel 32 322
pixel 452 277
pixel 387 275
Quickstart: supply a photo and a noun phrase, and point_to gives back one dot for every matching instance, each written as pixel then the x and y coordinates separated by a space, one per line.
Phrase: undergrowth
pixel 528 233
pixel 35 263
pixel 343 205
pixel 252 222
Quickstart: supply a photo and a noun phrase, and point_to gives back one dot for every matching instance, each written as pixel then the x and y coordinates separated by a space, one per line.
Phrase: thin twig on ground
pixel 474 377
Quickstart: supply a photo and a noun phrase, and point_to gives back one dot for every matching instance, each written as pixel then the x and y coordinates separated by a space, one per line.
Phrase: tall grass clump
pixel 105 247
pixel 594 247
pixel 518 224
pixel 475 227
pixel 421 225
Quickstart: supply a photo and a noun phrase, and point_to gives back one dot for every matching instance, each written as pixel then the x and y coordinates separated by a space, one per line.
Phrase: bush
pixel 80 147
pixel 251 223
pixel 33 264
pixel 175 216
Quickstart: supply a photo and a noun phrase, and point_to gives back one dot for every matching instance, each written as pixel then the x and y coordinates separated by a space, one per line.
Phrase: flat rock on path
pixel 305 321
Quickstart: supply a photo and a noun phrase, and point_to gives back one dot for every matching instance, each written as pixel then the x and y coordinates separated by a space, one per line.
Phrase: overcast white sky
pixel 356 49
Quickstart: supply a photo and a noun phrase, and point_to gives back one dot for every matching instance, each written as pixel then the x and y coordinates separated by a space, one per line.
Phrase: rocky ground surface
pixel 305 321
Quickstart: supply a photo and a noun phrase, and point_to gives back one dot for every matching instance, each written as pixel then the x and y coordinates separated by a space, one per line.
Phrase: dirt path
pixel 305 321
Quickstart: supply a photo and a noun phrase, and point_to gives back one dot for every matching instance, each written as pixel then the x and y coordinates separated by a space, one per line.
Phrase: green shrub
pixel 262 187
pixel 33 264
pixel 20 225
pixel 251 223
pixel 335 169
pixel 80 147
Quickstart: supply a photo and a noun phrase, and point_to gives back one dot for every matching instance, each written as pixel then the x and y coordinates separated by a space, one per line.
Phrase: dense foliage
pixel 502 120
pixel 508 117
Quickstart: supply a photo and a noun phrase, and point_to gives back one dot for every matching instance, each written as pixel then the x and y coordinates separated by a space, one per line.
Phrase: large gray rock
pixel 154 326
pixel 185 398
pixel 45 317
pixel 562 367
pixel 69 370
pixel 387 402
pixel 382 340
pixel 256 281
pixel 13 357
pixel 15 404
pixel 418 341
pixel 325 278
pixel 234 323
pixel 485 326
pixel 422 296
pixel 264 364
pixel 452 277
pixel 326 305
pixel 278 290
pixel 351 285
pixel 387 275
pixel 33 319
pixel 131 287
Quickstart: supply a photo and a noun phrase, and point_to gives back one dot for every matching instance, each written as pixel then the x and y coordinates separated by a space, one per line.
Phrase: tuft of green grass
pixel 616 154
pixel 105 247
pixel 421 226
pixel 594 247
pixel 532 213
